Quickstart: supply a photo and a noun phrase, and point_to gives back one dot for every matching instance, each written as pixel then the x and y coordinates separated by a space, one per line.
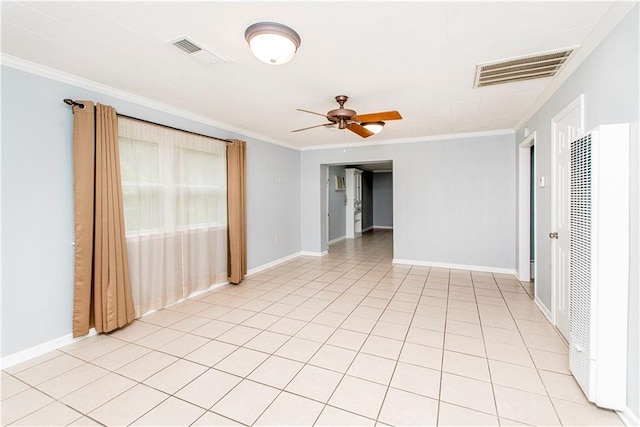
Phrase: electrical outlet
pixel 276 239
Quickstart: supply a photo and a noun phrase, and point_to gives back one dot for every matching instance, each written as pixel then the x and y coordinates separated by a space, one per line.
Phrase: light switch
pixel 541 181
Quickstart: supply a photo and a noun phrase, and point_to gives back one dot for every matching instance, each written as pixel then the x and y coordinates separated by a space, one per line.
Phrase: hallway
pixel 344 339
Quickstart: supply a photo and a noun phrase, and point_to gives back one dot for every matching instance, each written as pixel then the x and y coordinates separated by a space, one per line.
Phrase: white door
pixel 565 127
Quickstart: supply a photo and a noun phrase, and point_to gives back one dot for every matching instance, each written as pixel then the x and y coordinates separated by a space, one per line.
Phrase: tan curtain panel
pixel 237 211
pixel 102 291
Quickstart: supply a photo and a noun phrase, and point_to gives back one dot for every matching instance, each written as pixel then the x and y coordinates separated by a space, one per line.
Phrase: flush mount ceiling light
pixel 375 127
pixel 272 43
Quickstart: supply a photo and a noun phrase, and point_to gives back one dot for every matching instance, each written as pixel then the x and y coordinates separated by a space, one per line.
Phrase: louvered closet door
pixel 581 261
pixel 599 272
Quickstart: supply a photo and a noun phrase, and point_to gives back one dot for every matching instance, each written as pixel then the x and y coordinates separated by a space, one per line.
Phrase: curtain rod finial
pixel 73 103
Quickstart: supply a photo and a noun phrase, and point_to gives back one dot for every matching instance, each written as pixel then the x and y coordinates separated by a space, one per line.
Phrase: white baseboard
pixel 629 418
pixel 382 227
pixel 337 239
pixel 56 343
pixel 544 309
pixel 455 266
pixel 308 253
pixel 273 263
pixel 190 296
pixel 40 349
pixel 526 276
pixel 367 229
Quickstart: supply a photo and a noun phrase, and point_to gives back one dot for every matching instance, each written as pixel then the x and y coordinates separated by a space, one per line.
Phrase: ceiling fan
pixel 349 119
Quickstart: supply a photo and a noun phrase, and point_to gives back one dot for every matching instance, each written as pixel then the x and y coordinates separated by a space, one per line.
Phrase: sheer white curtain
pixel 175 205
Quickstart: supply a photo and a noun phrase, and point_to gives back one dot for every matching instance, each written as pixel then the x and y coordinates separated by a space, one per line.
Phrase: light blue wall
pixel 273 202
pixel 454 200
pixel 608 78
pixel 383 199
pixel 37 211
pixel 37 202
pixel 337 212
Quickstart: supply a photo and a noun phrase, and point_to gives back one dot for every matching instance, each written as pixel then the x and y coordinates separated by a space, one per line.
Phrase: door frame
pixel 578 102
pixel 524 212
pixel 325 245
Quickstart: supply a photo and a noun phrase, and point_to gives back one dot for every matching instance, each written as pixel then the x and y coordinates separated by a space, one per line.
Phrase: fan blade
pixel 360 130
pixel 311 112
pixel 378 117
pixel 311 127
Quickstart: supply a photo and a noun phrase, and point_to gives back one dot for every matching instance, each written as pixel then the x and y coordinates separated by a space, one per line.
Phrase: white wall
pixel 37 202
pixel 454 200
pixel 609 80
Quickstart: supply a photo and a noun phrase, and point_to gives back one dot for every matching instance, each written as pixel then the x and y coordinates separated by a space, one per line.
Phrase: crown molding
pixel 614 15
pixel 73 80
pixel 425 138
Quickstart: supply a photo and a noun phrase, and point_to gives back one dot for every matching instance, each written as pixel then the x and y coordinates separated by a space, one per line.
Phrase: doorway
pixel 532 215
pixel 526 210
pixel 337 203
pixel 565 127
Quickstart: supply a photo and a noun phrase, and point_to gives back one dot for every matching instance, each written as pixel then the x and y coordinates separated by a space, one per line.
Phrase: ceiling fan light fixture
pixel 375 127
pixel 272 43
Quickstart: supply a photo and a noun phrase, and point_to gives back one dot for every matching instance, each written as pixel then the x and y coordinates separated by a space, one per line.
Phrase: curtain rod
pixel 81 105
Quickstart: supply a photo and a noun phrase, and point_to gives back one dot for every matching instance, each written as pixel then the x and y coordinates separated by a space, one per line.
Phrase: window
pixel 199 188
pixel 141 187
pixel 170 179
pixel 175 205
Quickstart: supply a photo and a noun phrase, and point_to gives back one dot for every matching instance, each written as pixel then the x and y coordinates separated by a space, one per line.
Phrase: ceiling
pixel 416 57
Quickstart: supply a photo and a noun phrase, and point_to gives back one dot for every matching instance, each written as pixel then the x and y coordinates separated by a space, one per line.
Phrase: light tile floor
pixel 345 339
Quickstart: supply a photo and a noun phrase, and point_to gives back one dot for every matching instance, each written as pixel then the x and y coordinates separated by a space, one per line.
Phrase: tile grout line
pixel 211 367
pixel 307 363
pixel 136 381
pixel 298 278
pixel 444 338
pixel 388 386
pixel 529 353
pixel 344 374
pixel 242 346
pixel 484 345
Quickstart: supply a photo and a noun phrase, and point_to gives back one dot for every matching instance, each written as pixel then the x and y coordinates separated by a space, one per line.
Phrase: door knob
pixel 553 235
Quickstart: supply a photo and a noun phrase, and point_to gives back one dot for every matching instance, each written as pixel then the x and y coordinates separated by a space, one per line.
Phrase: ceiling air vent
pixel 522 68
pixel 195 51
pixel 187 45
